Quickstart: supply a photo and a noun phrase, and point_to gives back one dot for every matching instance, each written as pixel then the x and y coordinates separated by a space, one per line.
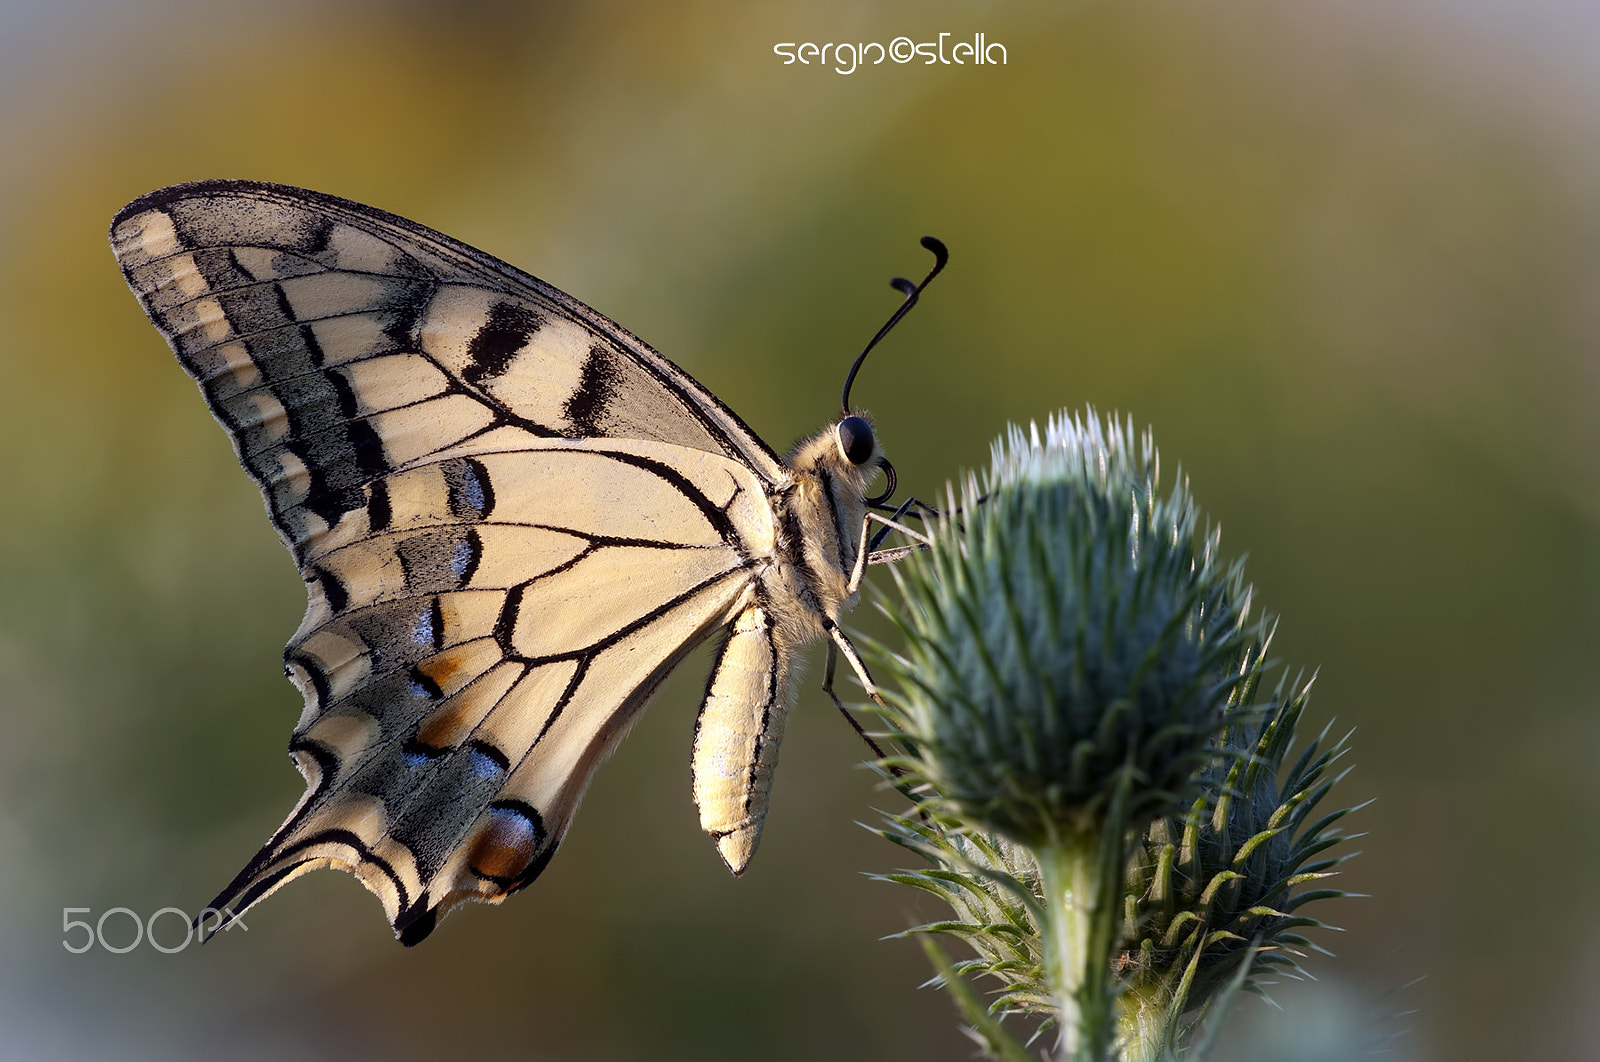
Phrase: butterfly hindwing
pixel 464 677
pixel 456 740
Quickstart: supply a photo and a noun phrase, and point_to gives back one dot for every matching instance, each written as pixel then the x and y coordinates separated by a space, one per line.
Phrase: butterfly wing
pixel 390 342
pixel 512 516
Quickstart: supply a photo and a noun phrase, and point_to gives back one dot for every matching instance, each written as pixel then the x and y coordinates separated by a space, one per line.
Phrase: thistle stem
pixel 1146 1025
pixel 1077 947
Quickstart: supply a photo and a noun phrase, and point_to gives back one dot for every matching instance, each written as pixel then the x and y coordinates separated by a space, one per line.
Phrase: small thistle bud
pixel 1069 632
pixel 1212 893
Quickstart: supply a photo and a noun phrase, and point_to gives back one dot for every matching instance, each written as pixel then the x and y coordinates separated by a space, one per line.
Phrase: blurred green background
pixel 1343 257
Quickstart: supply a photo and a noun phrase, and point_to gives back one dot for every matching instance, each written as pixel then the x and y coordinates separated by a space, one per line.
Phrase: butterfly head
pixel 858 446
pixel 846 451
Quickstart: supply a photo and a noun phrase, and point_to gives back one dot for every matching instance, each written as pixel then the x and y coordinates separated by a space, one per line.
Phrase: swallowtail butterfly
pixel 513 519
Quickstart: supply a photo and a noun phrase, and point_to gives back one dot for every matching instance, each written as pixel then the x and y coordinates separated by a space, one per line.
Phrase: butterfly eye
pixel 856 441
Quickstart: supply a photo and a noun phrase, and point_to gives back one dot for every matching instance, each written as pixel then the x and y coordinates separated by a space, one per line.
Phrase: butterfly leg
pixel 912 506
pixel 840 643
pixel 827 687
pixel 890 523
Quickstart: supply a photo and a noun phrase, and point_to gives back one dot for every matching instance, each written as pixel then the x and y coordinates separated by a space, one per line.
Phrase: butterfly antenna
pixel 912 292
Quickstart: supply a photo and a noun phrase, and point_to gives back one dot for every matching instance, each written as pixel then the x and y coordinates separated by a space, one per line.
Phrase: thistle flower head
pixel 1070 631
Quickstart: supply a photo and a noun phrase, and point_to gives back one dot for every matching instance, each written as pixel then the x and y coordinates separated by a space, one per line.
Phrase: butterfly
pixel 513 519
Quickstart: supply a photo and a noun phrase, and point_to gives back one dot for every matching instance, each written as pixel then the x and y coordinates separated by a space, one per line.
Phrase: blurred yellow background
pixel 1343 257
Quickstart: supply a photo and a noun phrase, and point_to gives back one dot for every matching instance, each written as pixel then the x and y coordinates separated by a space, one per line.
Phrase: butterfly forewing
pixel 336 342
pixel 513 519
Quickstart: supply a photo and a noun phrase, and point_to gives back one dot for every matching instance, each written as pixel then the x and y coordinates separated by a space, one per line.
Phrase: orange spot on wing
pixel 445 728
pixel 505 847
pixel 445 669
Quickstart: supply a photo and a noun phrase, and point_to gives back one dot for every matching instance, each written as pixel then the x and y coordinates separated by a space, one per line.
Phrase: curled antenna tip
pixel 911 292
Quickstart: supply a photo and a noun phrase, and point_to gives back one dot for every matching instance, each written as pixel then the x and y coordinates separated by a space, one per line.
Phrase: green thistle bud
pixel 1069 632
